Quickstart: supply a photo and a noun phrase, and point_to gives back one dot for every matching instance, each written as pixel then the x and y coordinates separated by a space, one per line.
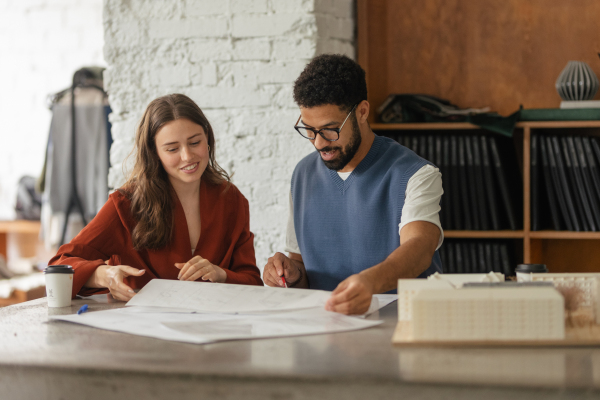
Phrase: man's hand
pixel 199 267
pixel 277 266
pixel 111 277
pixel 352 296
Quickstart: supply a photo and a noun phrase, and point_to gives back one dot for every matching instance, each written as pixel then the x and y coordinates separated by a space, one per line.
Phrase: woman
pixel 177 217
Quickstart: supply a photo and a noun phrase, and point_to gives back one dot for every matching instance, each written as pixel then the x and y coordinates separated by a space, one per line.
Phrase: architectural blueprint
pixel 225 298
pixel 208 328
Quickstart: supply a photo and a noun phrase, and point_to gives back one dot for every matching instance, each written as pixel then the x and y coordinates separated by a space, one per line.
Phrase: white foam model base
pixel 588 283
pixel 457 280
pixel 408 288
pixel 488 315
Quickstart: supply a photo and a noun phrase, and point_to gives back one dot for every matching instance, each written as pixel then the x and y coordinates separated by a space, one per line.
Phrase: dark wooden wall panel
pixel 476 53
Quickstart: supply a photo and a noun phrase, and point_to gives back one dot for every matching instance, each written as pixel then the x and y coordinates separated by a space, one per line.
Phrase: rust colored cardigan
pixel 225 241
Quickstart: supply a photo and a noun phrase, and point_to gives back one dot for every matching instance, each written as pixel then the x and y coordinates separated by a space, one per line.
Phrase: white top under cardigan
pixel 422 203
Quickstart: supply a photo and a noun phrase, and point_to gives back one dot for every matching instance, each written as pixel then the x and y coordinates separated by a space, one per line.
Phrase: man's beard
pixel 348 153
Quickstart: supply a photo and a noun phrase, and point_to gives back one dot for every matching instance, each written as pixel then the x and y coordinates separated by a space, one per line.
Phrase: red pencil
pixel 284 282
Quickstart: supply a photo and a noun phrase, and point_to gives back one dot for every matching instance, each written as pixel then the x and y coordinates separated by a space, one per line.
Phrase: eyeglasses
pixel 330 134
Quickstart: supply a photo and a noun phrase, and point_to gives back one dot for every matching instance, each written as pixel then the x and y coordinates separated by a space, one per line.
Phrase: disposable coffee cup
pixel 524 271
pixel 59 285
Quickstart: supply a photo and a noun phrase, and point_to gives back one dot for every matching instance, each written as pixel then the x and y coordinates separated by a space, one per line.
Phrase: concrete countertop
pixel 65 360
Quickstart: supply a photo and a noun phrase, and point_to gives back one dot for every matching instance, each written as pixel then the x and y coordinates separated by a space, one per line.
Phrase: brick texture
pixel 238 60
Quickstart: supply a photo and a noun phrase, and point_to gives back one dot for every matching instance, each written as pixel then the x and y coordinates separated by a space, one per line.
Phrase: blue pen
pixel 82 309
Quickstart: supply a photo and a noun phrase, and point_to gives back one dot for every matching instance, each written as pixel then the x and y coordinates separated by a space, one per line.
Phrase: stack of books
pixel 565 182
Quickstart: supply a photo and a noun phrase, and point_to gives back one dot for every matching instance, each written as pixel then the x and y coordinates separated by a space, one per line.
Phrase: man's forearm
pixel 406 262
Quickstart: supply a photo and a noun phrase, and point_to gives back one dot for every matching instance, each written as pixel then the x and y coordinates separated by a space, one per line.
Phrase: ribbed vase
pixel 577 82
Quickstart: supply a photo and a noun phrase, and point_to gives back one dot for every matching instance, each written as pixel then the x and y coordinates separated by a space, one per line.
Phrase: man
pixel 364 210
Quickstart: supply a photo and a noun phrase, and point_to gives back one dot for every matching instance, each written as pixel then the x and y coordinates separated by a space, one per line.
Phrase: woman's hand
pixel 199 267
pixel 111 277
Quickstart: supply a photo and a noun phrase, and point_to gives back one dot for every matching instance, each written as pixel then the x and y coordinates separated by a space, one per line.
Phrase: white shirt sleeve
pixel 291 243
pixel 421 203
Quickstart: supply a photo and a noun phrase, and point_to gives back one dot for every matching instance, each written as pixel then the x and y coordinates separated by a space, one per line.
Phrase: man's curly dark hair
pixel 331 79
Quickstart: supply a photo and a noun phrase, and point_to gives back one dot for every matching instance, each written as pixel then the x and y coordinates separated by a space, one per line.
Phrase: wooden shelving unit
pixel 22 227
pixel 437 49
pixel 562 251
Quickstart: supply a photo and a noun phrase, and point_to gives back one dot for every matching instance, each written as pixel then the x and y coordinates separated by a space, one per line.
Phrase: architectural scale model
pixel 588 285
pixel 457 280
pixel 488 314
pixel 408 288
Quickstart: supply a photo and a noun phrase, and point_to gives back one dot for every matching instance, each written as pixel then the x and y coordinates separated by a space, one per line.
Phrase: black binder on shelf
pixel 406 141
pixel 472 184
pixel 443 156
pixel 506 265
pixel 535 204
pixel 490 191
pixel 431 150
pixel 414 144
pixel 473 256
pixel 505 191
pixel 496 257
pixel 463 185
pixel 451 262
pixel 488 257
pixel 479 184
pixel 551 193
pixel 481 257
pixel 564 199
pixel 438 152
pixel 576 147
pixel 467 268
pixel 444 257
pixel 593 165
pixel 423 145
pixel 576 182
pixel 476 256
pixel 460 262
pixel 457 214
pixel 567 189
pixel 596 150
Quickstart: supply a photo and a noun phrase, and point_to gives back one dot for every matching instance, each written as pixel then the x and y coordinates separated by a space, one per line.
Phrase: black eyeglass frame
pixel 319 131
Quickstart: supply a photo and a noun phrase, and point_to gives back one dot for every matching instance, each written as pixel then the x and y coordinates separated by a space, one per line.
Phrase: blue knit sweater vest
pixel 345 227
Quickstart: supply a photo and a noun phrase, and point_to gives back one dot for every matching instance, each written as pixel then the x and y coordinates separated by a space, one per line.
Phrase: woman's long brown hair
pixel 148 186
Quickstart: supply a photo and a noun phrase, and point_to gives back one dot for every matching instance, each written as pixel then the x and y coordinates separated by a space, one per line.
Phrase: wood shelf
pixel 484 234
pixel 433 126
pixel 20 226
pixel 469 72
pixel 20 296
pixel 449 126
pixel 564 235
pixel 560 250
pixel 16 227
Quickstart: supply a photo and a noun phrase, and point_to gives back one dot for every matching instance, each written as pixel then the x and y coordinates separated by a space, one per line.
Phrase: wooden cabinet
pixel 494 53
pixel 23 237
pixel 561 251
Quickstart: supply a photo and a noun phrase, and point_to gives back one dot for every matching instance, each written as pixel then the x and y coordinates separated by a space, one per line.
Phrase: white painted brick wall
pixel 238 60
pixel 42 43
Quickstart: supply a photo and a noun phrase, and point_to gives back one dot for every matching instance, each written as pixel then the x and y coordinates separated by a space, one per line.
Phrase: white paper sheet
pixel 225 298
pixel 207 328
pixel 382 301
pixel 182 296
